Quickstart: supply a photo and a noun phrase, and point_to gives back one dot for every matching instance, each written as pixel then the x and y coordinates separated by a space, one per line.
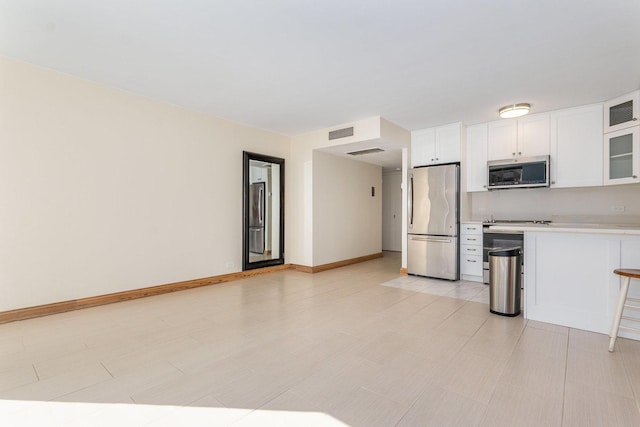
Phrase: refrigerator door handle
pixel 430 239
pixel 410 197
pixel 261 199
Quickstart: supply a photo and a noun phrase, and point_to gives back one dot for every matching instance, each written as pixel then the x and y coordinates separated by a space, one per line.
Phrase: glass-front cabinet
pixel 622 156
pixel 622 112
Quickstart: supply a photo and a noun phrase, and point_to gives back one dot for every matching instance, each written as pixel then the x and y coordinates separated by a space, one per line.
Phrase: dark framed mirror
pixel 263 211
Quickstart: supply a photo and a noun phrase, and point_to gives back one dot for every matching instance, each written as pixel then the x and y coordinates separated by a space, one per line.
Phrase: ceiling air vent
pixel 341 133
pixel 367 151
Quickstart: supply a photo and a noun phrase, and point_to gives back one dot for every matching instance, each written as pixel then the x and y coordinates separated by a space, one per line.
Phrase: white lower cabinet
pixel 569 278
pixel 471 251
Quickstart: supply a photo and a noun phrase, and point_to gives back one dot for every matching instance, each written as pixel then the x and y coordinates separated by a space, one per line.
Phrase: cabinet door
pixel 471 265
pixel 629 255
pixel 423 147
pixel 533 135
pixel 447 147
pixel 622 112
pixel 471 239
pixel 581 263
pixel 621 162
pixel 502 139
pixel 576 147
pixel 471 228
pixel 476 160
pixel 258 174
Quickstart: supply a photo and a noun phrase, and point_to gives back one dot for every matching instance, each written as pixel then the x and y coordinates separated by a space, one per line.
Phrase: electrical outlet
pixel 229 265
pixel 617 208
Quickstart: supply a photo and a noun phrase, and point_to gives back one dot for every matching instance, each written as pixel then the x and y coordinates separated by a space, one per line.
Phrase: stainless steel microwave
pixel 523 172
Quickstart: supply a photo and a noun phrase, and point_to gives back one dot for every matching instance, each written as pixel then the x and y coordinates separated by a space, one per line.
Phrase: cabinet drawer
pixel 474 239
pixel 471 265
pixel 471 250
pixel 470 229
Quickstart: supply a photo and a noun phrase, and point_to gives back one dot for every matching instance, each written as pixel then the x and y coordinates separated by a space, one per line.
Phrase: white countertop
pixel 571 228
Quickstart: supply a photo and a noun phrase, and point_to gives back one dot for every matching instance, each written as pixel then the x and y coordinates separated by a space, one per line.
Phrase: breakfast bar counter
pixel 569 277
pixel 555 227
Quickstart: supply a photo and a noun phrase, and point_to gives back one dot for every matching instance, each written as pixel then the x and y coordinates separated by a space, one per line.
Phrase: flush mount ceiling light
pixel 515 110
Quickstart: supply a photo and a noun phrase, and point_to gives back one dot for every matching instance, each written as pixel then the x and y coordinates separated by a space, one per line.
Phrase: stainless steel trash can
pixel 505 267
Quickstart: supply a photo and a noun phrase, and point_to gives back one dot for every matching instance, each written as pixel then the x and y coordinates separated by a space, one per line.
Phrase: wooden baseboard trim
pixel 78 304
pixel 63 306
pixel 337 264
pixel 404 271
pixel 303 268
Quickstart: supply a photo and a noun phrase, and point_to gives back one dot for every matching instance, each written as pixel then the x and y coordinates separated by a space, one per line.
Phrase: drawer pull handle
pixel 471 260
pixel 471 250
pixel 471 240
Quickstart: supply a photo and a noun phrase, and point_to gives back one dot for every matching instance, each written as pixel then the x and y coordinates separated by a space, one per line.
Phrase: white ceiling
pixel 291 66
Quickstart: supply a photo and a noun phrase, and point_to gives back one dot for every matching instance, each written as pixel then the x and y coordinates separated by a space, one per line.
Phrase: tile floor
pixel 469 291
pixel 332 348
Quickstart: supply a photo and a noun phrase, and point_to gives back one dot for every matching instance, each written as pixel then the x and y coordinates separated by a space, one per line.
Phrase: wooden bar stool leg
pixel 622 298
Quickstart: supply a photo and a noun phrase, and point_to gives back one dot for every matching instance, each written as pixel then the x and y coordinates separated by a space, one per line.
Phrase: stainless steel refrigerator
pixel 434 221
pixel 256 217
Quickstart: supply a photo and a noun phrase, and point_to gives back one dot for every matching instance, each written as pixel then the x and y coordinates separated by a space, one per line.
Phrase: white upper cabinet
pixel 448 143
pixel 622 112
pixel 502 142
pixel 533 135
pixel 436 145
pixel 476 157
pixel 622 140
pixel 576 147
pixel 423 147
pixel 525 137
pixel 257 174
pixel 622 156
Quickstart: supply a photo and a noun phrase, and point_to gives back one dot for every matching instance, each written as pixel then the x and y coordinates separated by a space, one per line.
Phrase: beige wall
pixel 300 188
pixel 565 204
pixel 347 220
pixel 104 191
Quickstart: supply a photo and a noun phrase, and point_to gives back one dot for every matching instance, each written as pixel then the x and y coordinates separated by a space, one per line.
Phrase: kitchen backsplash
pixel 612 204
